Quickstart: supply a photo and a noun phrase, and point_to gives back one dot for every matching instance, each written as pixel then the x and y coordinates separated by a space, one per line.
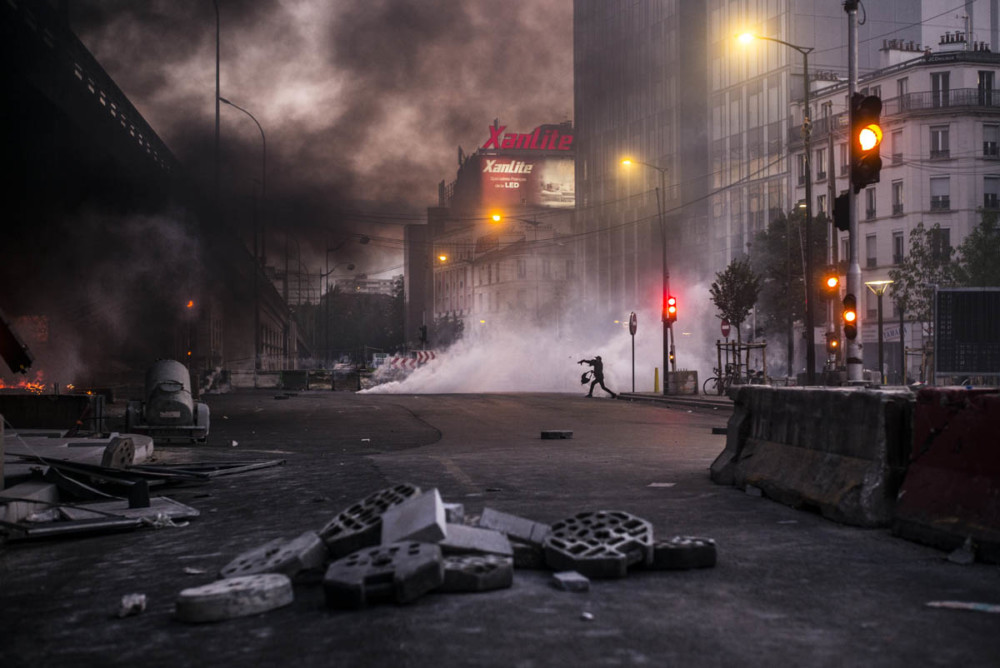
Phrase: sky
pixel 363 103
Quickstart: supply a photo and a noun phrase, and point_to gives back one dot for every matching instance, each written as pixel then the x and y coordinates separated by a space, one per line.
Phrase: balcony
pixel 871 263
pixel 897 259
pixel 941 203
pixel 991 201
pixel 990 149
pixel 821 176
pixel 897 209
pixel 802 179
pixel 897 158
pixel 870 214
pixel 940 154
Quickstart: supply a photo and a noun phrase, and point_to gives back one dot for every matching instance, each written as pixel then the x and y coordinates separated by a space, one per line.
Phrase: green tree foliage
pixel 734 292
pixel 447 330
pixel 928 263
pixel 978 257
pixel 357 320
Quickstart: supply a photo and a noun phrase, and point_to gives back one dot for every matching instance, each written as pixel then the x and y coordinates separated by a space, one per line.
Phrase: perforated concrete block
pixel 234 597
pixel 524 530
pixel 280 556
pixel 361 524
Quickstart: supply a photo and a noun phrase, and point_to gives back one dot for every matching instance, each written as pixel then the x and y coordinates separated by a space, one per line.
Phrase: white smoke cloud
pixel 544 359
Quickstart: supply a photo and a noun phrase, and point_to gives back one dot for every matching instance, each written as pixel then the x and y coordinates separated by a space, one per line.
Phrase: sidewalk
pixel 711 401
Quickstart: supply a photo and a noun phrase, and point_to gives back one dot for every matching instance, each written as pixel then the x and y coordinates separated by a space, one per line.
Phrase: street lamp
pixel 746 38
pixel 878 288
pixel 263 176
pixel 661 195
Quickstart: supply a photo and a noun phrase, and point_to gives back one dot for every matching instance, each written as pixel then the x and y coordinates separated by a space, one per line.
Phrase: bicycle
pixel 720 383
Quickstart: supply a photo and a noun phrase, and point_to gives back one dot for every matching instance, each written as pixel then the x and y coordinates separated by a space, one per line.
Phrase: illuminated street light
pixel 669 360
pixel 442 258
pixel 878 288
pixel 746 38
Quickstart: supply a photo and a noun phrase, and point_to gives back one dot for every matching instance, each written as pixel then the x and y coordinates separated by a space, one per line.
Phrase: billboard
pixel 516 181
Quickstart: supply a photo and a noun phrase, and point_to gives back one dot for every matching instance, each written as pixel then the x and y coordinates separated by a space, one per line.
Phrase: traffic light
pixel 850 317
pixel 423 333
pixel 866 140
pixel 832 343
pixel 831 283
pixel 670 311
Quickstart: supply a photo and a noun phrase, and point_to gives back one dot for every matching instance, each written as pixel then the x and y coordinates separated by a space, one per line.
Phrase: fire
pixel 36 386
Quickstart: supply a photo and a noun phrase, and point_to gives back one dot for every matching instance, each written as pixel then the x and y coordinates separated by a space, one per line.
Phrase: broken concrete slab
pixel 33 497
pixel 477 572
pixel 289 557
pixel 570 581
pixel 454 513
pixel 234 597
pixel 361 524
pixel 461 539
pixel 420 518
pixel 524 530
pixel 395 573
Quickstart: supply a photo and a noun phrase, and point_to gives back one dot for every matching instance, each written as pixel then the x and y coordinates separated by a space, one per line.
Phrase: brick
pixel 682 553
pixel 464 540
pixel 570 581
pixel 524 530
pixel 420 518
pixel 234 597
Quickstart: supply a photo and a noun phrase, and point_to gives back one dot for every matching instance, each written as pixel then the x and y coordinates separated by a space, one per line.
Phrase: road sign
pixel 633 323
pixel 725 328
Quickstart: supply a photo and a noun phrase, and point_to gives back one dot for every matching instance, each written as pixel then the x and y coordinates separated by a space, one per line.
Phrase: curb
pixel 722 403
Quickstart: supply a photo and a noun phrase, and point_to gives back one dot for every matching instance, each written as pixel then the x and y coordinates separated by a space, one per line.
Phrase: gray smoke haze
pixel 360 100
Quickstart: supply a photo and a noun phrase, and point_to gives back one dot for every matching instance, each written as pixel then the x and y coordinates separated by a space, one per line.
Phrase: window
pixel 897 147
pixel 870 211
pixel 845 163
pixel 897 247
pixel 991 135
pixel 876 91
pixel 897 198
pixel 871 305
pixel 940 89
pixel 986 88
pixel 940 193
pixel 940 243
pixel 903 93
pixel 991 192
pixel 939 141
pixel 821 205
pixel 871 259
pixel 845 252
pixel 801 158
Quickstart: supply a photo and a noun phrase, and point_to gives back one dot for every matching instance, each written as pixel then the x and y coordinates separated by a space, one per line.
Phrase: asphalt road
pixel 789 586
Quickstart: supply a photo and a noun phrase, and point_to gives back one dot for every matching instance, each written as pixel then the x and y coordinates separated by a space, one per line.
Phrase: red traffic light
pixel 671 309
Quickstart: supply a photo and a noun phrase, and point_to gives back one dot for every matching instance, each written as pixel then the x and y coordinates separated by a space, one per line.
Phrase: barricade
pixel 952 487
pixel 841 451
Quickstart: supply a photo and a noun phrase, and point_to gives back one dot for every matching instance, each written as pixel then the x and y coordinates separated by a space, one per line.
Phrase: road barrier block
pixel 841 451
pixel 952 487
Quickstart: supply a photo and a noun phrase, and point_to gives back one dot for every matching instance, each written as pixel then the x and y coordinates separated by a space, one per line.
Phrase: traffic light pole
pixel 855 365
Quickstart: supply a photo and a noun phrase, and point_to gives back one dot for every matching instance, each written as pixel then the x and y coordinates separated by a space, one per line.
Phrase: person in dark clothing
pixel 598 371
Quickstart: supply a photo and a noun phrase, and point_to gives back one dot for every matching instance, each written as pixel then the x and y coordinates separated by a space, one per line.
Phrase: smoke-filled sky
pixel 363 102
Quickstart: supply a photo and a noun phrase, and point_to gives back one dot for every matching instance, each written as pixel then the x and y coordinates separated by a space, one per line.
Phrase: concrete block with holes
pixel 461 539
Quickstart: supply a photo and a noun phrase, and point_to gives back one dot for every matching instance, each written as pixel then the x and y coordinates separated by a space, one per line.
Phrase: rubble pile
pixel 400 543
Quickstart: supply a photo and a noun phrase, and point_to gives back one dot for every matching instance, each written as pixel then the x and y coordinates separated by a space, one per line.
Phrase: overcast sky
pixel 360 100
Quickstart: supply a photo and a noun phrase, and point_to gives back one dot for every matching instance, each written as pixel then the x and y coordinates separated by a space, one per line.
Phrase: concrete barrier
pixel 840 451
pixel 952 486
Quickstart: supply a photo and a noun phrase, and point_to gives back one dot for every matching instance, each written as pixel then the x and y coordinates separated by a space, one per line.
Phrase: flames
pixel 36 386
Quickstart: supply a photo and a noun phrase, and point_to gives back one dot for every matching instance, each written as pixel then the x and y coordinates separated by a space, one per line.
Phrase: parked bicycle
pixel 721 382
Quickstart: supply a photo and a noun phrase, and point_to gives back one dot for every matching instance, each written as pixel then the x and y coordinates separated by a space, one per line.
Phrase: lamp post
pixel 746 38
pixel 669 357
pixel 263 195
pixel 878 288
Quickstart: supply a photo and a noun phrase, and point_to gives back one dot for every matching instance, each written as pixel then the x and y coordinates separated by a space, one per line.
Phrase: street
pixel 789 586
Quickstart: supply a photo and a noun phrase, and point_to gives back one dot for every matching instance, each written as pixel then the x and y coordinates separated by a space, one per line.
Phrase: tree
pixel 734 292
pixel 928 263
pixel 978 257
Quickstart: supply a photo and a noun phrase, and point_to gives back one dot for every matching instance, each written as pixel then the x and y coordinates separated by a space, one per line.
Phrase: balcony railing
pixel 897 259
pixel 940 203
pixel 897 209
pixel 990 149
pixel 940 154
pixel 869 214
pixel 871 262
pixel 991 201
pixel 820 176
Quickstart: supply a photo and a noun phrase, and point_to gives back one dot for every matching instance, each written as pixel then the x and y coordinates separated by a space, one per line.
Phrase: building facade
pixel 498 248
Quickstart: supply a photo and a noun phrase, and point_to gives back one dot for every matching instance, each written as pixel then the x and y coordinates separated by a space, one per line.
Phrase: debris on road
pixel 361 524
pixel 570 581
pixel 398 572
pixel 477 572
pixel 549 434
pixel 683 553
pixel 234 597
pixel 600 544
pixel 972 606
pixel 131 604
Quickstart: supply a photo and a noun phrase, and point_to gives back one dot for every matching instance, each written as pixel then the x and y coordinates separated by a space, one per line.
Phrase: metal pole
pixel 855 365
pixel 663 310
pixel 633 364
pixel 902 348
pixel 218 168
pixel 806 132
pixel 668 331
pixel 881 375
